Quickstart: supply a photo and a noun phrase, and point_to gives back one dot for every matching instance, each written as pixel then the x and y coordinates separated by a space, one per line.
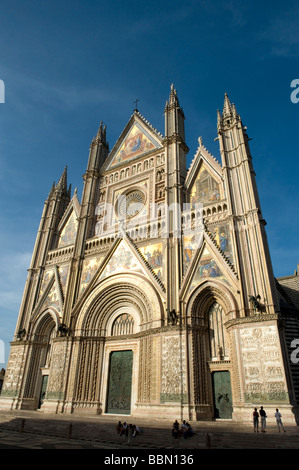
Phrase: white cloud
pixel 282 33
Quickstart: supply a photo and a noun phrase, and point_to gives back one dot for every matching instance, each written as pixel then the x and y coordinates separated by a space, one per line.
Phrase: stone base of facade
pixel 51 407
pixel 9 403
pixel 242 414
pixel 83 409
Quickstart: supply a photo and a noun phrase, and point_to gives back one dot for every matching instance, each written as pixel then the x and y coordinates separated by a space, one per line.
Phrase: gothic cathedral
pixel 154 295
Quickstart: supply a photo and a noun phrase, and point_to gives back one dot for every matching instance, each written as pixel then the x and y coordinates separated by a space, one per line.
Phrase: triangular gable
pixel 191 243
pixel 68 232
pixel 51 292
pixel 137 139
pixel 153 255
pixel 221 235
pixel 53 298
pixel 123 257
pixel 90 267
pixel 202 154
pixel 207 267
pixel 122 260
pixel 68 225
pixel 204 178
pixel 208 263
pixel 206 188
pixel 47 277
pixel 63 272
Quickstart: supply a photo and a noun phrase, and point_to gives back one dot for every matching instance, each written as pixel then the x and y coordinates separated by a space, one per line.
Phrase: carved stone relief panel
pixel 14 372
pixel 149 370
pixel 174 380
pixel 155 369
pixel 262 366
pixel 58 370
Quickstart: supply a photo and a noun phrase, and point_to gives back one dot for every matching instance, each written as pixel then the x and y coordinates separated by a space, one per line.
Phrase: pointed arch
pixel 44 321
pixel 204 295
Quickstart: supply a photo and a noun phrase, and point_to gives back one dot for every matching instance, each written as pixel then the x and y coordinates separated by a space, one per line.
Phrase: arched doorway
pixel 46 356
pixel 110 336
pixel 209 308
pixel 119 388
pixel 44 331
pixel 219 354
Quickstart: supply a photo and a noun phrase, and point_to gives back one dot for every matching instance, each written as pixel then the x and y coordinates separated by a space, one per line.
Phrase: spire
pixel 52 190
pixel 227 107
pixel 173 99
pixel 101 135
pixel 229 116
pixel 62 183
pixel 174 117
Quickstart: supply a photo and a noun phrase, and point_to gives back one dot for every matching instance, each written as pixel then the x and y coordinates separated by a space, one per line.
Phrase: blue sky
pixel 68 65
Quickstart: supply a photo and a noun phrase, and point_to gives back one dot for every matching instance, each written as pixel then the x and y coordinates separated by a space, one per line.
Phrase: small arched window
pixel 123 325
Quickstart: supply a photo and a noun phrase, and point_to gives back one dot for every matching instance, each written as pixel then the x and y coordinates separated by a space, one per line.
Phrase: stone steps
pixel 156 435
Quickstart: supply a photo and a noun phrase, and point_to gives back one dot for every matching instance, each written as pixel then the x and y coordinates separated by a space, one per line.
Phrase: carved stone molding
pixel 260 318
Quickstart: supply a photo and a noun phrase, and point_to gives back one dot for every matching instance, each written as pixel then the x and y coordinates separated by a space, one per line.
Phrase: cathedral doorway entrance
pixel 119 382
pixel 223 407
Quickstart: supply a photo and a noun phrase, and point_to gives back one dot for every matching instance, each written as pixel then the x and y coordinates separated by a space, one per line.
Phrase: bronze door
pixel 223 406
pixel 120 382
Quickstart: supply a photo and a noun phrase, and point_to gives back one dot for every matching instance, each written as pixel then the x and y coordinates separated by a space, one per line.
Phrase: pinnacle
pixel 52 189
pixel 173 99
pixel 62 183
pixel 101 135
pixel 227 107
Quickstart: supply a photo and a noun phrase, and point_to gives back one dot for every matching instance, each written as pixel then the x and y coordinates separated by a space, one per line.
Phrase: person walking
pixel 255 420
pixel 279 421
pixel 263 419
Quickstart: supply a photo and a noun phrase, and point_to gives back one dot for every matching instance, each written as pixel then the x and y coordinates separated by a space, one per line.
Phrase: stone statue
pixel 257 307
pixel 173 317
pixel 21 333
pixel 62 329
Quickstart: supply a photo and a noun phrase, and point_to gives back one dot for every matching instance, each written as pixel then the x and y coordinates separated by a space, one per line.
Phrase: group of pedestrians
pixel 128 431
pixel 184 430
pixel 262 414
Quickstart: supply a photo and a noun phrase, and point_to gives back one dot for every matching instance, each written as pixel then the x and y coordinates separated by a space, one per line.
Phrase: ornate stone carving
pixel 14 372
pixel 59 365
pixel 174 386
pixel 262 368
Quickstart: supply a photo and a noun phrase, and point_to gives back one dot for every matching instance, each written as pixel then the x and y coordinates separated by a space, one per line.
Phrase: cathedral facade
pixel 154 296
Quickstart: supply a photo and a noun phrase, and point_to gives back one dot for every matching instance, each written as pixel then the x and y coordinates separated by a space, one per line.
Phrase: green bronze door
pixel 223 406
pixel 120 382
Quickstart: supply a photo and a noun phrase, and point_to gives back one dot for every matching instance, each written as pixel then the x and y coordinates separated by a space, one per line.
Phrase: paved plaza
pixel 35 430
